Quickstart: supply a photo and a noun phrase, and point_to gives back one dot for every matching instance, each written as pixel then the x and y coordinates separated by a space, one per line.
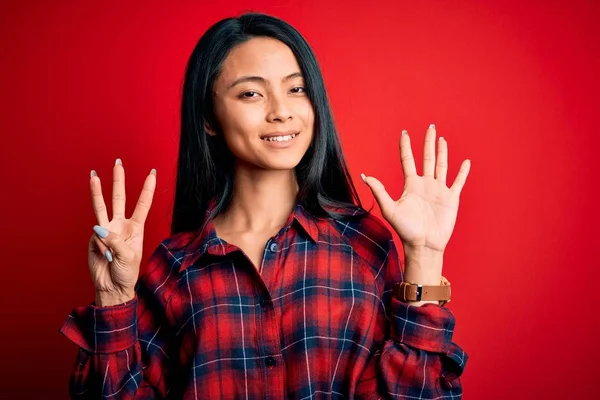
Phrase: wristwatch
pixel 407 292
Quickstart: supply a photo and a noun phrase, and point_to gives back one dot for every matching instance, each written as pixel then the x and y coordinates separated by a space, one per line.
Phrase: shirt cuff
pixel 428 327
pixel 103 330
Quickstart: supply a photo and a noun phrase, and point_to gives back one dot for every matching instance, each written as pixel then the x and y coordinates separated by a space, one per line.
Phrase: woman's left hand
pixel 425 214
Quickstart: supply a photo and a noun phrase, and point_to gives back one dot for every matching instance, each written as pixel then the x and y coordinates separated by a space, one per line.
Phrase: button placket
pixel 264 302
pixel 270 362
pixel 269 318
pixel 273 247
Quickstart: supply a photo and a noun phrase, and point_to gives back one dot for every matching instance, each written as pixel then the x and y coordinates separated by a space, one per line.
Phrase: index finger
pixel 145 200
pixel 98 200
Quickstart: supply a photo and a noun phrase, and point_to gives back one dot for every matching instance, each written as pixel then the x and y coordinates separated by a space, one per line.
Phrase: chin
pixel 283 165
pixel 284 159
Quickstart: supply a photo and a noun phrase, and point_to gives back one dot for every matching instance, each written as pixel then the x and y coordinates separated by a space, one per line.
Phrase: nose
pixel 278 110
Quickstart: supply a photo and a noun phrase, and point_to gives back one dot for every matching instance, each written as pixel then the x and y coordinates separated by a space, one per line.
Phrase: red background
pixel 511 86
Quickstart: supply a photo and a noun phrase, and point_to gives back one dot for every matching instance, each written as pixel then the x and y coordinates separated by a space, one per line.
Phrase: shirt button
pixel 270 362
pixel 273 247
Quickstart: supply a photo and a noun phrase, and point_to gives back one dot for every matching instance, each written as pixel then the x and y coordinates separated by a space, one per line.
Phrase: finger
pixel 381 195
pixel 98 199
pixel 113 241
pixel 145 200
pixel 429 152
pixel 97 246
pixel 406 156
pixel 441 166
pixel 461 178
pixel 118 195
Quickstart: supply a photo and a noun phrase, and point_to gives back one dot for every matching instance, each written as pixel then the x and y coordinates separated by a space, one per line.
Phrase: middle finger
pixel 429 152
pixel 118 195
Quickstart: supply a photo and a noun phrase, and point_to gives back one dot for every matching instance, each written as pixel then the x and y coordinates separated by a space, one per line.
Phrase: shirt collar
pixel 207 241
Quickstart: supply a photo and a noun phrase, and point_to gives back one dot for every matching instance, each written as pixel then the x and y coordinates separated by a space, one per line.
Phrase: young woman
pixel 275 282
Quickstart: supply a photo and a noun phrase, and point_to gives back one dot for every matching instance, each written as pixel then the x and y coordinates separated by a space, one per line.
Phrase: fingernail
pixel 432 126
pixel 93 174
pixel 108 255
pixel 364 178
pixel 441 138
pixel 404 132
pixel 118 162
pixel 100 231
pixel 153 172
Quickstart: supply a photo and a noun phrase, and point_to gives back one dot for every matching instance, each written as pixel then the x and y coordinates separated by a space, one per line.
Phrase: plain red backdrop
pixel 511 85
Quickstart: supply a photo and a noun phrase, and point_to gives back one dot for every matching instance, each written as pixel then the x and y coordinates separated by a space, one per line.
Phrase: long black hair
pixel 205 168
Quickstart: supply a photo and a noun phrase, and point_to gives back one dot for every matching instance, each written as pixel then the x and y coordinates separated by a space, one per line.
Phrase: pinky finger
pixel 461 178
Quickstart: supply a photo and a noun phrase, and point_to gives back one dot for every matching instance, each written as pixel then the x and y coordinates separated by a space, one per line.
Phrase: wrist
pixel 423 265
pixel 106 299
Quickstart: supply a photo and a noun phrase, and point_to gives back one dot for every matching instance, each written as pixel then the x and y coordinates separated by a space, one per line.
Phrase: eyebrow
pixel 261 79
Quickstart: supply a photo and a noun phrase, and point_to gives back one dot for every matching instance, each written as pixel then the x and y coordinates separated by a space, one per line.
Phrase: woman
pixel 275 282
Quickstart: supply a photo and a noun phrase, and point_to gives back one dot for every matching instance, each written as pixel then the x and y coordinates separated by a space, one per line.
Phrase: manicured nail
pixel 404 132
pixel 432 126
pixel 93 174
pixel 441 138
pixel 364 178
pixel 153 172
pixel 108 255
pixel 100 231
pixel 118 162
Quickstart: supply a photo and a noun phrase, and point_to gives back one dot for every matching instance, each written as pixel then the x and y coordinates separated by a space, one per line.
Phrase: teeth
pixel 280 138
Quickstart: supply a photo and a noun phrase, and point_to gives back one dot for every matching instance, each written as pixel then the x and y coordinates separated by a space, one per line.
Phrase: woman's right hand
pixel 114 260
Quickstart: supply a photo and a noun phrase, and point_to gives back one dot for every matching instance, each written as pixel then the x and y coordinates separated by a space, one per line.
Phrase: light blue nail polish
pixel 100 231
pixel 108 255
pixel 432 126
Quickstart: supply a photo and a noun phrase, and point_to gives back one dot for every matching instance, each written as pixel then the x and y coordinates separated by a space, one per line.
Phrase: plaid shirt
pixel 316 320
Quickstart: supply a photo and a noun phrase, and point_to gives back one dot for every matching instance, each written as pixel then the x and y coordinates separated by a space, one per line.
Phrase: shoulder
pixel 168 256
pixel 368 236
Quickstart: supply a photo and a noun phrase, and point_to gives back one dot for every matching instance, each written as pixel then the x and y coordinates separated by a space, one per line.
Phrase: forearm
pixel 423 266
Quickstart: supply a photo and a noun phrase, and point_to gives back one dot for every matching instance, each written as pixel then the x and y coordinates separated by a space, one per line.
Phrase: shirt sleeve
pixel 417 357
pixel 125 351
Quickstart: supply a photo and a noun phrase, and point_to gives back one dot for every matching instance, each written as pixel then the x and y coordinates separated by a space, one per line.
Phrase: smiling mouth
pixel 283 138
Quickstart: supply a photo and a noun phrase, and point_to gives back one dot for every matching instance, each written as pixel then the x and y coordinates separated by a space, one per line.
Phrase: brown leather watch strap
pixel 408 292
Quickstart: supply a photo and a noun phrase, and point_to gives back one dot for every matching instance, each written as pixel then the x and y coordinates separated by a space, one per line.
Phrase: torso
pixel 307 323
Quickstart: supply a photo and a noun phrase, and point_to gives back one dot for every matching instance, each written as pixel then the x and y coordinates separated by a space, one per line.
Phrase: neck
pixel 262 200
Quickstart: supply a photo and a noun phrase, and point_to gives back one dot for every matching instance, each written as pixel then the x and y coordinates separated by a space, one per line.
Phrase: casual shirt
pixel 316 319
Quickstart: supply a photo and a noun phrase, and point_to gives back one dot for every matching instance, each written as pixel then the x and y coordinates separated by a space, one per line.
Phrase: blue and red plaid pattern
pixel 315 320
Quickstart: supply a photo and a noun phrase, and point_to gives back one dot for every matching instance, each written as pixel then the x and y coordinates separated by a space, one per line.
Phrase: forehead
pixel 266 57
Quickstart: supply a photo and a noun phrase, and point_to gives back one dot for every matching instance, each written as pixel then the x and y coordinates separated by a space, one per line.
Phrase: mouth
pixel 279 138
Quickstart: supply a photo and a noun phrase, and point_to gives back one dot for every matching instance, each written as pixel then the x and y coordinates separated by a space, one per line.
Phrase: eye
pixel 294 90
pixel 248 95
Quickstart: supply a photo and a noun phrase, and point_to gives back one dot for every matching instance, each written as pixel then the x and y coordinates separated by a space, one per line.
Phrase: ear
pixel 209 130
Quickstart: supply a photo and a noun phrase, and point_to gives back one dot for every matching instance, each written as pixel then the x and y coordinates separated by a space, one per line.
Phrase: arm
pixel 416 358
pixel 126 351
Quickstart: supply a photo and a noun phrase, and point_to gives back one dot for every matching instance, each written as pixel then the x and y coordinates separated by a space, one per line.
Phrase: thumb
pixel 113 241
pixel 381 195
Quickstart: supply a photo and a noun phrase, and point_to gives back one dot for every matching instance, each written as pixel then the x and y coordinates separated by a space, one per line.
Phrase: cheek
pixel 308 119
pixel 235 118
pixel 240 124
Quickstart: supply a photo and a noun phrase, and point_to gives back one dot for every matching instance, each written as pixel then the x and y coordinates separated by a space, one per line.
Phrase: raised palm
pixel 425 214
pixel 117 278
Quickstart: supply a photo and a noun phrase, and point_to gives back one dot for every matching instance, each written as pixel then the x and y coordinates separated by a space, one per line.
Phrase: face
pixel 261 104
